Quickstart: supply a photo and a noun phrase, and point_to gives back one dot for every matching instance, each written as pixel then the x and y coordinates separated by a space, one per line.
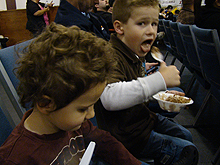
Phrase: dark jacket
pixel 69 15
pixel 209 18
pixel 131 126
pixel 107 17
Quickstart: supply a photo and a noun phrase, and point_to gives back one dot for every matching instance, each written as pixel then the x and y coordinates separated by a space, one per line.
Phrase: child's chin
pixel 76 128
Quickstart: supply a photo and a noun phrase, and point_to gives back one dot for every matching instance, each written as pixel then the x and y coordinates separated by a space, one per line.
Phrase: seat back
pixel 161 28
pixel 170 37
pixel 5 126
pixel 8 79
pixel 191 53
pixel 169 34
pixel 185 31
pixel 177 39
pixel 208 47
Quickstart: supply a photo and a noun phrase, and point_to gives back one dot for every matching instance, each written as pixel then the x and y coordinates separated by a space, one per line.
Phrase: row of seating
pixel 9 82
pixel 198 50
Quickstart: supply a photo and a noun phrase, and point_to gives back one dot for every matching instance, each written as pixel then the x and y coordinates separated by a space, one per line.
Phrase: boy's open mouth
pixel 146 45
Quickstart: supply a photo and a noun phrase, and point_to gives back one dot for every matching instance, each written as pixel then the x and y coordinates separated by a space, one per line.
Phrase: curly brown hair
pixel 63 63
pixel 122 9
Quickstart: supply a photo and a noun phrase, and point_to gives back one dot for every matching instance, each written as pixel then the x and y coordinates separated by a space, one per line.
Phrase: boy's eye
pixel 155 24
pixel 141 23
pixel 83 109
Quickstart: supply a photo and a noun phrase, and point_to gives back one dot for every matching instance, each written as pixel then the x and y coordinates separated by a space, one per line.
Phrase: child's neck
pixel 39 124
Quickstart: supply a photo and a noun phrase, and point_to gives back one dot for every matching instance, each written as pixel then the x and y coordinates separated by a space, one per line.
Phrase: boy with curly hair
pixel 63 73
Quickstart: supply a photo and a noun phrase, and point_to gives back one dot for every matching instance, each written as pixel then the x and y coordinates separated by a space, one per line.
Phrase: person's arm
pixel 35 10
pixel 122 95
pixel 108 147
pixel 46 9
pixel 41 12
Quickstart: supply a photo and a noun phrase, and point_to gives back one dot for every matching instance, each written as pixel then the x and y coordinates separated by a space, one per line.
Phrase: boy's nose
pixel 150 30
pixel 91 112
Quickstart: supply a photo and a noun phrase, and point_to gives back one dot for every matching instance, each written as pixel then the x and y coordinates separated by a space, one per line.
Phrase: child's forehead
pixel 92 94
pixel 135 8
pixel 147 7
pixel 145 11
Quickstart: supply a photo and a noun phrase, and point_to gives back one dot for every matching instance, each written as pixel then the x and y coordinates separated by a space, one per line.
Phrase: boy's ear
pixel 118 26
pixel 46 105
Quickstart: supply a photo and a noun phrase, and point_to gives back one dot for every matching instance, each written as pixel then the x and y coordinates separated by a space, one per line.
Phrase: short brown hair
pixel 122 9
pixel 187 3
pixel 63 63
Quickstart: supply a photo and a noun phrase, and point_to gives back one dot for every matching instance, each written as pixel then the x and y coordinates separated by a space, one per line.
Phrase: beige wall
pixel 2 5
pixel 165 3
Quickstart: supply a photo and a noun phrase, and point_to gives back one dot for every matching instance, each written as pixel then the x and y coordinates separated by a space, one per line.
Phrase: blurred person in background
pixel 79 13
pixel 162 14
pixel 37 18
pixel 208 16
pixel 176 14
pixel 169 14
pixel 186 15
pixel 101 9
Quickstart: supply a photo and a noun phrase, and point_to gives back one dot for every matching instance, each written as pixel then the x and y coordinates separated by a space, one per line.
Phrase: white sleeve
pixel 122 95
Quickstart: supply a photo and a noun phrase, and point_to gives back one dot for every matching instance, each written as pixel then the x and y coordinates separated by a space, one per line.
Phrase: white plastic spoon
pixel 157 56
pixel 88 154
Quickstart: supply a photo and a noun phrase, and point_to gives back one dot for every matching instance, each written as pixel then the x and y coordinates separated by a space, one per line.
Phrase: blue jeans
pixel 167 141
pixel 99 161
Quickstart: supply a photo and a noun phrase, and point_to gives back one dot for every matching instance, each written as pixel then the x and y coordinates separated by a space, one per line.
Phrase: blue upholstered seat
pixel 8 80
pixel 5 127
pixel 171 41
pixel 208 51
pixel 187 38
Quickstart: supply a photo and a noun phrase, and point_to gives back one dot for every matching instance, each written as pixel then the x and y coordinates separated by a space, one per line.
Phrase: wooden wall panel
pixel 11 4
pixel 13 26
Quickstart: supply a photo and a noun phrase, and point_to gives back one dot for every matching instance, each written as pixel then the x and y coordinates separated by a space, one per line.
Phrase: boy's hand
pixel 170 75
pixel 148 65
